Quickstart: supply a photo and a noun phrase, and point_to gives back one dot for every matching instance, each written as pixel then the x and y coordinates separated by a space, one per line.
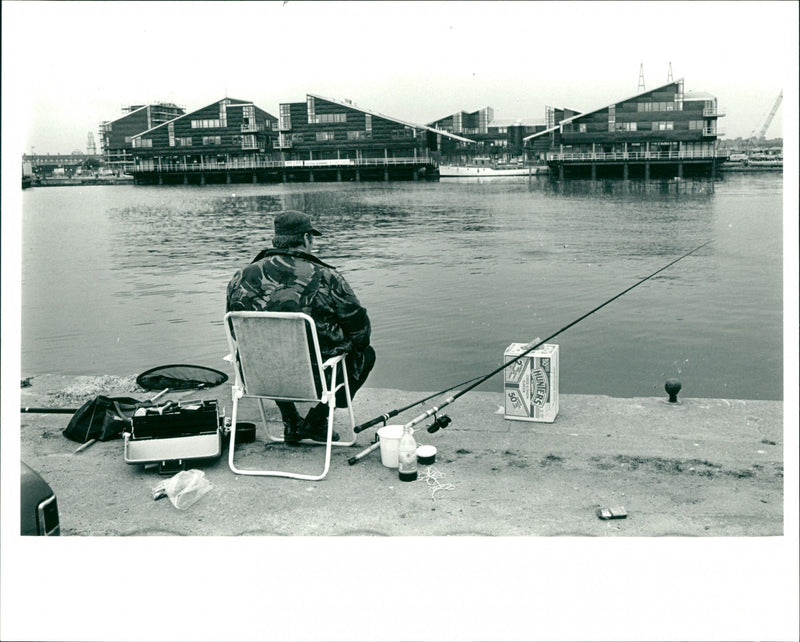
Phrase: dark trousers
pixel 367 361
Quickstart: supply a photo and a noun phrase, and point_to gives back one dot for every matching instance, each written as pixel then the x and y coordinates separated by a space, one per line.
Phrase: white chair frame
pixel 256 377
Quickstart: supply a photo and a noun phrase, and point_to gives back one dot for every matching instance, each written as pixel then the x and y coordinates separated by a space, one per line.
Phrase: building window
pixel 171 134
pixel 128 139
pixel 206 123
pixel 248 111
pixel 249 141
pixel 612 117
pixel 223 112
pixel 406 132
pixel 142 142
pixel 368 122
pixel 285 118
pixel 660 106
pixel 358 135
pixel 310 107
pixel 625 127
pixel 212 140
pixel 662 125
pixel 184 141
pixel 324 119
pixel 298 138
pixel 582 128
pixel 324 136
pixel 695 124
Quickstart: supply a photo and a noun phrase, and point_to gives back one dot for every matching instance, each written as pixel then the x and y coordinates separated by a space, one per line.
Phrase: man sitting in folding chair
pixel 289 278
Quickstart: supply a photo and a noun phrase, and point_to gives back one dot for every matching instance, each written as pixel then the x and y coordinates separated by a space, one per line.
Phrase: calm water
pixel 116 280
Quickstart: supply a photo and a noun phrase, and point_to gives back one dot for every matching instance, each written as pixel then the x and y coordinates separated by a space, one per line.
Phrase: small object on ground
pixel 184 489
pixel 615 512
pixel 84 446
pixel 426 455
pixel 673 387
pixel 26 383
pixel 159 492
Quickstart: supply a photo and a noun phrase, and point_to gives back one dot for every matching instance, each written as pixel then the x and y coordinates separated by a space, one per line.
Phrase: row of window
pixel 657 125
pixel 321 119
pixel 186 141
pixel 206 123
pixel 660 106
pixel 325 137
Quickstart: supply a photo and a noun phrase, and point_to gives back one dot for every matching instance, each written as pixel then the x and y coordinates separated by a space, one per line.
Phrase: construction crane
pixel 763 131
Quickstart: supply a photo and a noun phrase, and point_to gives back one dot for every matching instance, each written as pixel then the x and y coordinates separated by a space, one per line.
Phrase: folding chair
pixel 276 357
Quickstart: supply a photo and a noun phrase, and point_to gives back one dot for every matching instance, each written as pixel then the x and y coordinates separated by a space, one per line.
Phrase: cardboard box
pixel 530 385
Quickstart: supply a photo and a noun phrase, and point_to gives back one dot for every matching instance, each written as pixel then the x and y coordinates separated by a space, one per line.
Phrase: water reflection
pixel 638 188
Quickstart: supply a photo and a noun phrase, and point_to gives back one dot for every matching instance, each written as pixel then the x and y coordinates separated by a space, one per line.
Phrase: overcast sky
pixel 71 65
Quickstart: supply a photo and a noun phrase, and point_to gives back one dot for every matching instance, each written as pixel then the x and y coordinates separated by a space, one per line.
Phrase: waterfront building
pixel 60 164
pixel 319 139
pixel 663 132
pixel 337 139
pixel 116 135
pixel 495 139
pixel 220 141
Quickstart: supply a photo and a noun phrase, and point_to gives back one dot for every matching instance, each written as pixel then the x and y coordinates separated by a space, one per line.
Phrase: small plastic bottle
pixel 407 456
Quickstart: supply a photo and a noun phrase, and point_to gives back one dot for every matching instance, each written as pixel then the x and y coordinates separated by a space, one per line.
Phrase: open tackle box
pixel 174 434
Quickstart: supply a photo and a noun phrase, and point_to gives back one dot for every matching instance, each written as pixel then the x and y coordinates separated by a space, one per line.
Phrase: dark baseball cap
pixel 292 222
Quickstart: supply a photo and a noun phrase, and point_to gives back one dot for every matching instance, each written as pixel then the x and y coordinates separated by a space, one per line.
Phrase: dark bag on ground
pixel 102 418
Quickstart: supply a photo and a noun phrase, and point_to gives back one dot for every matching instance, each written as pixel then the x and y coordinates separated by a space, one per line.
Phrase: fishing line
pixel 479 380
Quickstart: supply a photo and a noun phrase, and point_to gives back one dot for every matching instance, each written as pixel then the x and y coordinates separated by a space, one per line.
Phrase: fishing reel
pixel 441 422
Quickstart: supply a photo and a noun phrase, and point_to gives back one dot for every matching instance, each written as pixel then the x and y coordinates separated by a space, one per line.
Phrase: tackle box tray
pixel 180 420
pixel 170 438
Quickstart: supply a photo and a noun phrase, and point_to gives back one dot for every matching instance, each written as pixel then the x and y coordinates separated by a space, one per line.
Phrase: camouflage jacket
pixel 294 281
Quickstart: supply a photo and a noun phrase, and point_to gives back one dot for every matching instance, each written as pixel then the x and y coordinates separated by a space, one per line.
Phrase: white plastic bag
pixel 185 488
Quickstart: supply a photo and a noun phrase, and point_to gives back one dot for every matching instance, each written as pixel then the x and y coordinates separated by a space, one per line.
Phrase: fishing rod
pixel 397 411
pixel 479 380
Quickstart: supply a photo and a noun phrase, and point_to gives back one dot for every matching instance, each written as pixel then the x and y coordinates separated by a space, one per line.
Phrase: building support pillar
pixel 625 171
pixel 338 175
pixel 713 168
pixel 255 178
pixel 160 179
pixel 680 169
pixel 228 178
pixel 185 179
pixel 415 172
pixel 561 171
pixel 386 174
pixel 311 176
pixel 358 175
pixel 202 179
pixel 647 171
pixel 283 175
pixel 594 171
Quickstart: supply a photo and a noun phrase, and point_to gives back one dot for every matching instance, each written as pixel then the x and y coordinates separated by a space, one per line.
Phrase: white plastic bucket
pixel 390 440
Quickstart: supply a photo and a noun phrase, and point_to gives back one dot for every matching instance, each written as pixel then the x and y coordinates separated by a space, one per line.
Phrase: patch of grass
pixel 740 474
pixel 700 467
pixel 515 459
pixel 551 459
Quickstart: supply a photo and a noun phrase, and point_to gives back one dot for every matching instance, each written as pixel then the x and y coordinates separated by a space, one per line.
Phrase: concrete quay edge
pixel 703 467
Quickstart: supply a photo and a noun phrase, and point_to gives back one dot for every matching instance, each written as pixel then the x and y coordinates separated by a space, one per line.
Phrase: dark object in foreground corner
pixel 616 512
pixel 37 504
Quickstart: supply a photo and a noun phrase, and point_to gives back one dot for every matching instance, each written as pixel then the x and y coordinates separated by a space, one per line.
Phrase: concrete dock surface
pixel 702 467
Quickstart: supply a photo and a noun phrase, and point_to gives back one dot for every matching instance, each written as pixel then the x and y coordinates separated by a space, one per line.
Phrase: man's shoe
pixel 290 431
pixel 313 431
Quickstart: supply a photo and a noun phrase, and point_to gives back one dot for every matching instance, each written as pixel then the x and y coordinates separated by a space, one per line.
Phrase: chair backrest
pixel 276 354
